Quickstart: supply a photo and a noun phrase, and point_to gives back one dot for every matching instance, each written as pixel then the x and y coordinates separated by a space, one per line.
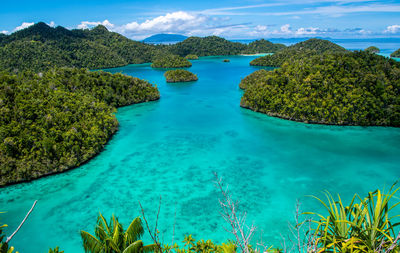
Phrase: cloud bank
pixel 199 24
pixel 393 29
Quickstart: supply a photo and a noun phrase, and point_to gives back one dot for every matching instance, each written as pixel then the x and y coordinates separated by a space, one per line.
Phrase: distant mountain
pixel 162 37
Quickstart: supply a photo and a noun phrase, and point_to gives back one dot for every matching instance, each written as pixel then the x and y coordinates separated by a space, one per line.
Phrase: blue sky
pixel 229 19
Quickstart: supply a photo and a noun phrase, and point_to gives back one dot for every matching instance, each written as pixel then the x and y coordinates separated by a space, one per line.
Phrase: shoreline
pixel 76 166
pixel 311 122
pixel 257 54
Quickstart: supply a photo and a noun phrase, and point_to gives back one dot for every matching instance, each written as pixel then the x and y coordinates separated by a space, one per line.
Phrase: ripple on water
pixel 171 148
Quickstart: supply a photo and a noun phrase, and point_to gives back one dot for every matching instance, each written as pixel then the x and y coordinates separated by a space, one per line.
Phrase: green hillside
pixel 302 49
pixel 342 89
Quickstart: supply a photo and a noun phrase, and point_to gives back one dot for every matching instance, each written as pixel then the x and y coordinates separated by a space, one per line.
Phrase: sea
pixel 167 153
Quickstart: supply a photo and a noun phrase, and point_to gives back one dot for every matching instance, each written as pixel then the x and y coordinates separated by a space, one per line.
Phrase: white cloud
pixel 89 24
pixel 286 29
pixel 307 31
pixel 23 26
pixel 261 28
pixel 4 31
pixel 392 29
pixel 179 21
pixel 51 24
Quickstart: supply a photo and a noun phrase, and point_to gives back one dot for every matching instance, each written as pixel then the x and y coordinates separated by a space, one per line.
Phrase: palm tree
pixel 111 237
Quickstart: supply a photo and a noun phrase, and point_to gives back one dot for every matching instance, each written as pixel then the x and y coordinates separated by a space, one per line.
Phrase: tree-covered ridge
pixel 179 75
pixel 213 45
pixel 343 89
pixel 41 47
pixel 372 49
pixel 396 53
pixel 57 120
pixel 253 78
pixel 170 61
pixel 263 46
pixel 302 49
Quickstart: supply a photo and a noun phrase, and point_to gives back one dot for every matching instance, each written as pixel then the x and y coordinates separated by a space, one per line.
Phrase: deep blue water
pixel 171 147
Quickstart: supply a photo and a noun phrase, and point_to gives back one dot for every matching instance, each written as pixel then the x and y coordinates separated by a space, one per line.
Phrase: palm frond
pixel 135 231
pixel 135 247
pixel 90 243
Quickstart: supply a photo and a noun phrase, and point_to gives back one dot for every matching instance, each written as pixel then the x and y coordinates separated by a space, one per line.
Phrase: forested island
pixel 303 49
pixel 59 119
pixel 396 53
pixel 170 61
pixel 41 47
pixel 353 88
pixel 373 50
pixel 180 75
pixel 191 57
pixel 214 45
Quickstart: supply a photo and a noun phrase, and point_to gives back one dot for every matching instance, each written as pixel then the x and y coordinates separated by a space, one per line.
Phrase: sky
pixel 244 19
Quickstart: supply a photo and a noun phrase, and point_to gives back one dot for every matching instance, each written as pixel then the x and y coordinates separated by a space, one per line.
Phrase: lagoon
pixel 171 147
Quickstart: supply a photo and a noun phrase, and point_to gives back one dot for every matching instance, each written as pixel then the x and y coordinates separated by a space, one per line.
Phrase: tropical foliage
pixel 191 57
pixel 53 121
pixel 396 53
pixel 372 49
pixel 4 248
pixel 112 238
pixel 56 250
pixel 253 78
pixel 300 50
pixel 41 47
pixel 365 225
pixel 201 246
pixel 263 46
pixel 179 75
pixel 170 61
pixel 345 89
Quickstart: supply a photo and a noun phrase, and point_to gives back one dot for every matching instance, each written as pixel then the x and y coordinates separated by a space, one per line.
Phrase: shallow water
pixel 171 147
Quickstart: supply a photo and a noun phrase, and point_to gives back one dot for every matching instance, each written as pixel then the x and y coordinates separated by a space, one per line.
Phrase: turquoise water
pixel 171 147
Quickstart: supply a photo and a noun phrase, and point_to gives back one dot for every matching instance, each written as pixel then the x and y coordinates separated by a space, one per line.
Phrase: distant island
pixel 372 49
pixel 180 75
pixel 302 49
pixel 213 45
pixel 396 53
pixel 336 88
pixel 162 37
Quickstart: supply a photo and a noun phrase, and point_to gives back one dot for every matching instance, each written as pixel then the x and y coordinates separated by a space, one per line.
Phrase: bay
pixel 171 147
